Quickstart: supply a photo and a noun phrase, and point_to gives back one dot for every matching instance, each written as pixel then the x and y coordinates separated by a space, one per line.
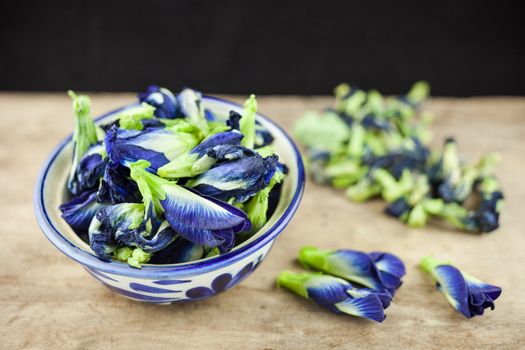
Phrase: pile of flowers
pixel 167 181
pixel 378 147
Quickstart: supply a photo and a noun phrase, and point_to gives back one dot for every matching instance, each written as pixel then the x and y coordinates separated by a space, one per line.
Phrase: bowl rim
pixel 168 270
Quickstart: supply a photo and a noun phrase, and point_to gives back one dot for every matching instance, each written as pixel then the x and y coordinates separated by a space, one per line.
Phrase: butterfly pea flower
pixel 411 156
pixel 200 219
pixel 465 293
pixel 157 146
pixel 239 179
pixel 486 217
pixel 149 242
pixel 84 136
pixel 336 294
pixel 79 211
pixel 221 146
pixel 112 222
pixel 116 186
pixel 190 104
pixel 90 169
pixel 165 103
pixel 378 270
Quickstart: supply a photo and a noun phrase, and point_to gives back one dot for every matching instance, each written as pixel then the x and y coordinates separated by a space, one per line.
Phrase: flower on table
pixel 377 270
pixel 466 294
pixel 337 294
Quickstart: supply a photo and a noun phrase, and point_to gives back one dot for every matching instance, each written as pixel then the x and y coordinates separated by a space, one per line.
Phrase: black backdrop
pixel 269 47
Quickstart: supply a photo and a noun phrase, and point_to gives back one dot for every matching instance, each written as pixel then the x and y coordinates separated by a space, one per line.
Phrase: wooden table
pixel 48 301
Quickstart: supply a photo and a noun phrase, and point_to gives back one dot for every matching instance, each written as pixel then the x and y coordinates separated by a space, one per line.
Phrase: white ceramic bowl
pixel 174 282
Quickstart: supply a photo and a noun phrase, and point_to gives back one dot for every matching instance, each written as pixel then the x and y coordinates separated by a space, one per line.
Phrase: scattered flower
pixel 337 294
pixel 378 271
pixel 465 293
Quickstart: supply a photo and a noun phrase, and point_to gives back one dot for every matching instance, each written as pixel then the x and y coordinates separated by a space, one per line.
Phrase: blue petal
pixel 190 104
pixel 262 136
pixel 222 138
pixel 397 208
pixel 355 266
pixel 79 211
pixel 136 238
pixel 163 100
pixel 209 115
pixel 180 251
pixel 384 296
pixel 240 179
pixel 152 123
pixel 480 295
pixel 391 269
pixel 451 282
pixel 157 146
pixel 117 187
pixel 89 170
pixel 114 221
pixel 367 306
pixel 229 152
pixel 371 121
pixel 233 120
pixel 202 220
pixel 326 290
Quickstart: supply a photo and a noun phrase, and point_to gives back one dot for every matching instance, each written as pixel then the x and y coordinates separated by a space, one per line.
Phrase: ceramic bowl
pixel 174 282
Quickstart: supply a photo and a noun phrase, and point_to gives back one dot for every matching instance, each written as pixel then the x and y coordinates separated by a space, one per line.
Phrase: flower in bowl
pixel 176 198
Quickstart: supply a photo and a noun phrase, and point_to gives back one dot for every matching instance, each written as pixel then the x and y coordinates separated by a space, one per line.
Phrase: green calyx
pixel 419 91
pixel 247 122
pixel 257 207
pixel 186 165
pixel 391 189
pixel 85 133
pixel 363 190
pixel 294 282
pixel 131 119
pixel 138 257
pixel 150 185
pixel 312 257
pixel 429 264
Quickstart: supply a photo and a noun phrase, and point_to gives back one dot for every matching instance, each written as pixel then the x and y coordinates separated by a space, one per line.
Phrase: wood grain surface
pixel 48 301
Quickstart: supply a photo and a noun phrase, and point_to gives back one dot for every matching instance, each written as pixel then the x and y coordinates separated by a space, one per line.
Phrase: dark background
pixel 270 47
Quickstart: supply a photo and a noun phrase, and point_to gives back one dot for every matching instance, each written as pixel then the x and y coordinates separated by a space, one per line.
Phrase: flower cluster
pixel 169 181
pixel 466 294
pixel 377 147
pixel 377 276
